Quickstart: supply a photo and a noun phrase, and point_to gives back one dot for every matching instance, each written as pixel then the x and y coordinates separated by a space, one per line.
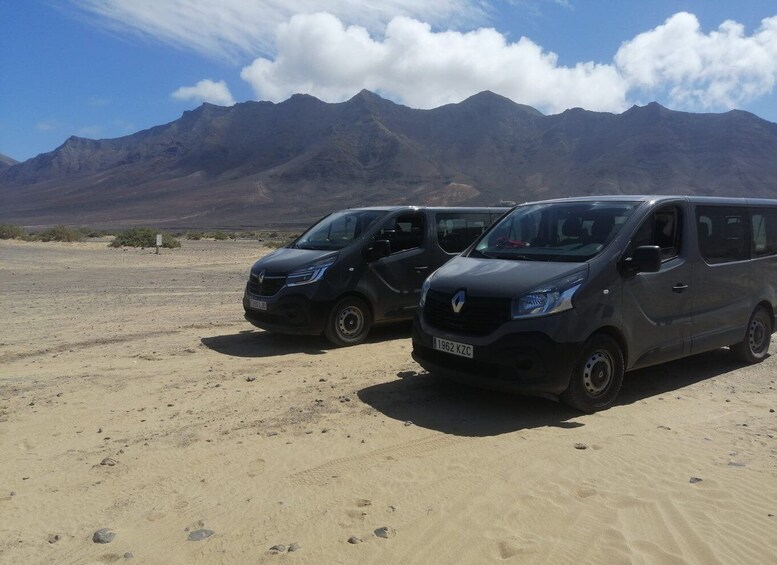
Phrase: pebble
pixel 129 555
pixel 581 446
pixel 408 423
pixel 294 547
pixel 354 539
pixel 199 535
pixel 109 462
pixel 735 464
pixel 250 379
pixel 385 532
pixel 771 410
pixel 695 480
pixel 54 538
pixel 103 535
pixel 271 434
pixel 280 548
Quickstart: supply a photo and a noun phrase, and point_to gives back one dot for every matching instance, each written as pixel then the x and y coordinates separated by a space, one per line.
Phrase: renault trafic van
pixel 560 297
pixel 356 268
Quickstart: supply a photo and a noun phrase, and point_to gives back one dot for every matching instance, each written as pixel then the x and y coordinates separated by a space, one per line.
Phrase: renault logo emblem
pixel 457 302
pixel 261 277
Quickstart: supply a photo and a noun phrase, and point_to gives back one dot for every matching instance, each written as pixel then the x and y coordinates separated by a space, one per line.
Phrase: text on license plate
pixel 257 304
pixel 452 347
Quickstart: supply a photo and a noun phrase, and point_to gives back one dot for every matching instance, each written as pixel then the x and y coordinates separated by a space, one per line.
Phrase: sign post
pixel 158 242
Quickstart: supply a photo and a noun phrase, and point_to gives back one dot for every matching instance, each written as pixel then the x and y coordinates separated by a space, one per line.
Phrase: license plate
pixel 257 304
pixel 453 347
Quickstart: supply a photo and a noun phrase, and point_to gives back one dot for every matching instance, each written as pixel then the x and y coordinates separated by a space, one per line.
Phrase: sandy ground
pixel 262 439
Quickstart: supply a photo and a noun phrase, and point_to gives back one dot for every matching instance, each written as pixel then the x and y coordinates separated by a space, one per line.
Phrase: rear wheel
pixel 349 322
pixel 597 375
pixel 755 346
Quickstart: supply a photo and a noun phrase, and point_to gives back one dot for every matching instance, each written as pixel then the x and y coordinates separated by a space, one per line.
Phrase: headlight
pixel 424 290
pixel 310 274
pixel 555 296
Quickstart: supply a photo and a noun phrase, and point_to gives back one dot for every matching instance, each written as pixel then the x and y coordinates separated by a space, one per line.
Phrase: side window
pixel 764 227
pixel 723 233
pixel 456 230
pixel 662 228
pixel 404 232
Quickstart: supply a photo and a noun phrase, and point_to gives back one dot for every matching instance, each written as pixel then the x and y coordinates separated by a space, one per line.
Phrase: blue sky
pixel 108 68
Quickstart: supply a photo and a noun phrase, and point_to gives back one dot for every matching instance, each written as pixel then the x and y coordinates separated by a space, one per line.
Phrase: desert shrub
pixel 219 235
pixel 10 231
pixel 194 235
pixel 61 233
pixel 143 237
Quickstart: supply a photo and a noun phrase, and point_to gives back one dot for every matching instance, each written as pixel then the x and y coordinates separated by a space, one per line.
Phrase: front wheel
pixel 349 322
pixel 755 346
pixel 597 375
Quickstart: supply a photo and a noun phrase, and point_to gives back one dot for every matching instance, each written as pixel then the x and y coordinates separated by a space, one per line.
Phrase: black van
pixel 560 297
pixel 357 267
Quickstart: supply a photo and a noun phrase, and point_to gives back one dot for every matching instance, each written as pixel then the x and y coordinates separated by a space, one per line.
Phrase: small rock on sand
pixel 354 540
pixel 581 446
pixel 294 547
pixel 199 535
pixel 280 548
pixel 103 535
pixel 110 462
pixel 385 532
pixel 54 538
pixel 695 480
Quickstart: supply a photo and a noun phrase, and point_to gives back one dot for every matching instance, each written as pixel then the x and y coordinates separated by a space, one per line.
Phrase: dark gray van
pixel 560 297
pixel 358 267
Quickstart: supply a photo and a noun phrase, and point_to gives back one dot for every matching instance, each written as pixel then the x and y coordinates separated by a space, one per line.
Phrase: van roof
pixel 440 208
pixel 658 198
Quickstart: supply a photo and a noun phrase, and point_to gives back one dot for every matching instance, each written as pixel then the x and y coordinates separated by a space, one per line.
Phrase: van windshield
pixel 338 230
pixel 557 231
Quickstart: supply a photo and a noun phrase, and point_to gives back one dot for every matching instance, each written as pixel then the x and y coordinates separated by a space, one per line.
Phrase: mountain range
pixel 260 164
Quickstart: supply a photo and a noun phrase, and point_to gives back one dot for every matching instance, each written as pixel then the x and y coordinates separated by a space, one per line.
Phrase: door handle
pixel 419 269
pixel 679 287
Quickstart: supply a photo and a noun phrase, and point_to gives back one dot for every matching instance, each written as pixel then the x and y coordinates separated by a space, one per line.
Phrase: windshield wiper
pixel 508 256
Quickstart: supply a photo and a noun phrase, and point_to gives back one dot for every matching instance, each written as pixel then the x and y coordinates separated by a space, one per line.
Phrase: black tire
pixel 349 322
pixel 597 375
pixel 755 346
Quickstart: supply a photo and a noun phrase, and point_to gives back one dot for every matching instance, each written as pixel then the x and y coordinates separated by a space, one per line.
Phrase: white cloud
pixel 90 131
pixel 319 55
pixel 206 91
pixel 235 28
pixel 48 125
pixel 400 49
pixel 723 68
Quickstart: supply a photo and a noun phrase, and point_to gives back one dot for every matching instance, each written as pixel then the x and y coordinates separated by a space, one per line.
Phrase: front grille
pixel 269 286
pixel 479 316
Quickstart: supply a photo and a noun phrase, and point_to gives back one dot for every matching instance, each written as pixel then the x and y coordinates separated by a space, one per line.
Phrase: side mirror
pixel 377 249
pixel 645 259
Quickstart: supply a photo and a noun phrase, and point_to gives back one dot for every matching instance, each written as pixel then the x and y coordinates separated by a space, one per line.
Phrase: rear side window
pixel 764 224
pixel 723 233
pixel 456 230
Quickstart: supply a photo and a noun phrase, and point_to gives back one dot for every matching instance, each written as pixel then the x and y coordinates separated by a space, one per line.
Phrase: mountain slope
pixel 258 163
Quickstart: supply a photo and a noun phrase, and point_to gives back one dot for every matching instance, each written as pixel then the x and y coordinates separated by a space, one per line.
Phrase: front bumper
pixel 291 314
pixel 527 362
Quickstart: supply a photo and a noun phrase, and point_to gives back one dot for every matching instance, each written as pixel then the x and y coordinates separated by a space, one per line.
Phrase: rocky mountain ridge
pixel 261 163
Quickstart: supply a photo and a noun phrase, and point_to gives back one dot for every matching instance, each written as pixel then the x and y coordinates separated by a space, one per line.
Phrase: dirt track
pixel 265 439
